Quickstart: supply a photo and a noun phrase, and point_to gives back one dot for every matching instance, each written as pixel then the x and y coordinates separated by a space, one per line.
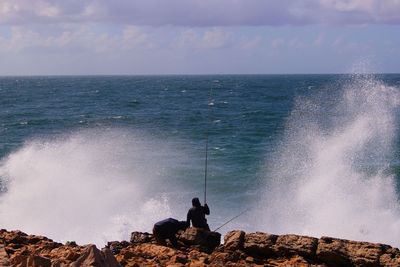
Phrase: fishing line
pixel 210 104
pixel 233 218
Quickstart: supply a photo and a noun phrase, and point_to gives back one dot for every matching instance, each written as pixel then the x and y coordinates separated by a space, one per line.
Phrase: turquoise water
pixel 93 158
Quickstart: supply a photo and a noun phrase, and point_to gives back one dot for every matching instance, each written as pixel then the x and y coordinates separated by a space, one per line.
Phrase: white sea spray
pixel 331 174
pixel 90 186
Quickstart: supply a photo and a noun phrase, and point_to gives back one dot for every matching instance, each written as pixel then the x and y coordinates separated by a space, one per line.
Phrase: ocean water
pixel 92 159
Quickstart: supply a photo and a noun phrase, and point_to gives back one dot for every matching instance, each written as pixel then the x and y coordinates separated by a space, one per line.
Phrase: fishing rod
pixel 233 218
pixel 206 157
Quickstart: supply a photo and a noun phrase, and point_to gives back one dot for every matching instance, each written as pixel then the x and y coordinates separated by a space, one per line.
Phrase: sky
pixel 134 37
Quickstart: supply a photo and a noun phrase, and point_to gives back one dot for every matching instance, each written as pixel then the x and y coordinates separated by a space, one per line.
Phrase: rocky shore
pixel 196 249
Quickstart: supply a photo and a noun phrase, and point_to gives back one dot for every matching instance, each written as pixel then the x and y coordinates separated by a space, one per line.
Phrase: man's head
pixel 196 202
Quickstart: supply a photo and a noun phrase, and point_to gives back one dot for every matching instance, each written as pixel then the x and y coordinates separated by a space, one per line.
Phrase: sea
pixel 93 158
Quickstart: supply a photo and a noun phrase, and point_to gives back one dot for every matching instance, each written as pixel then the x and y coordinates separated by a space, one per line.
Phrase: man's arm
pixel 206 209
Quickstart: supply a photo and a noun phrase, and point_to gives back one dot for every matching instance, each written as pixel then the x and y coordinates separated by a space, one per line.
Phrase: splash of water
pixel 331 175
pixel 90 187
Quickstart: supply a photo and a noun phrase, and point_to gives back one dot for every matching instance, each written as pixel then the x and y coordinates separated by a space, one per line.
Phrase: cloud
pixel 277 43
pixel 356 12
pixel 201 13
pixel 319 40
pixel 214 38
pixel 74 39
pixel 251 43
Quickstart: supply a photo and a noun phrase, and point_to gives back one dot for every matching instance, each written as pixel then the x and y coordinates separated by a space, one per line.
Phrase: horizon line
pixel 197 74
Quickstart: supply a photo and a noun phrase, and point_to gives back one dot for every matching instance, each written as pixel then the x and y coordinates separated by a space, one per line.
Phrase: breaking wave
pixel 331 175
pixel 91 186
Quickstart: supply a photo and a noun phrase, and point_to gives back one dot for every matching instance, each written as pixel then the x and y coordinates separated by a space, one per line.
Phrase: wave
pixel 331 172
pixel 90 186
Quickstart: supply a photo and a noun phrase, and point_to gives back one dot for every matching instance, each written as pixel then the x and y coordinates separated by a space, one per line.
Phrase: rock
pixel 249 259
pixel 197 255
pixel 139 237
pixel 240 249
pixel 342 252
pixel 390 257
pixel 16 237
pixel 332 251
pixel 109 258
pixel 38 261
pixel 4 259
pixel 259 244
pixel 71 243
pixel 219 258
pixel 116 246
pixel 207 240
pixel 92 256
pixel 234 240
pixel 178 259
pixel 36 239
pixel 296 245
pixel 294 261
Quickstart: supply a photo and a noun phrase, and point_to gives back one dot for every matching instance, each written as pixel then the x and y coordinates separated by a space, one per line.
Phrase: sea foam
pixel 331 172
pixel 89 186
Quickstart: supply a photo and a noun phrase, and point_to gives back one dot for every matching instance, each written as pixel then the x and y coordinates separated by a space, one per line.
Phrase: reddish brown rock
pixel 38 261
pixel 27 250
pixel 342 252
pixel 138 237
pixel 294 261
pixel 296 245
pixel 92 256
pixel 259 244
pixel 206 240
pixel 240 249
pixel 234 240
pixel 391 257
pixel 4 259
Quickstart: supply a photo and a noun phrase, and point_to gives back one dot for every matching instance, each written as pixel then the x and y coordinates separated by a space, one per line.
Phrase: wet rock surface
pixel 197 248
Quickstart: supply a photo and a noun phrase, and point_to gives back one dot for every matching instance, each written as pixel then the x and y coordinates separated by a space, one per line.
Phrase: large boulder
pixel 206 240
pixel 259 243
pixel 4 259
pixel 390 257
pixel 202 249
pixel 234 240
pixel 139 237
pixel 116 246
pixel 38 261
pixel 143 254
pixel 92 256
pixel 305 246
pixel 340 252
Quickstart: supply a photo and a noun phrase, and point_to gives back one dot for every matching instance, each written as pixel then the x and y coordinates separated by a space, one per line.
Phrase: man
pixel 167 229
pixel 197 214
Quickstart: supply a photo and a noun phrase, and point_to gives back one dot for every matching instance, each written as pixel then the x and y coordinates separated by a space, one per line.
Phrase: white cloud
pixel 337 42
pixel 360 11
pixel 198 13
pixel 214 38
pixel 45 9
pixel 186 38
pixel 251 43
pixel 188 34
pixel 296 43
pixel 133 36
pixel 76 38
pixel 277 43
pixel 319 40
pixel 349 5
